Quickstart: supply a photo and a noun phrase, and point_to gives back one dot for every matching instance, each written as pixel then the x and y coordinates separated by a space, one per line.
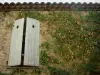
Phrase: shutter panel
pixel 31 54
pixel 16 43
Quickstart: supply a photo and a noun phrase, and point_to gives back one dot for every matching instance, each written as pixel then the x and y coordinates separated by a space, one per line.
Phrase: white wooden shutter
pixel 16 43
pixel 31 54
pixel 31 30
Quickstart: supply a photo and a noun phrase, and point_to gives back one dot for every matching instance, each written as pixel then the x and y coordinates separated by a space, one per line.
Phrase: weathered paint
pixel 16 43
pixel 31 50
pixel 31 55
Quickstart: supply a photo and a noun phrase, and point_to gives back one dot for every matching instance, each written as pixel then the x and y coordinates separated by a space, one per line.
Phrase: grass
pixel 45 45
pixel 55 71
pixel 72 42
pixel 4 74
pixel 44 58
